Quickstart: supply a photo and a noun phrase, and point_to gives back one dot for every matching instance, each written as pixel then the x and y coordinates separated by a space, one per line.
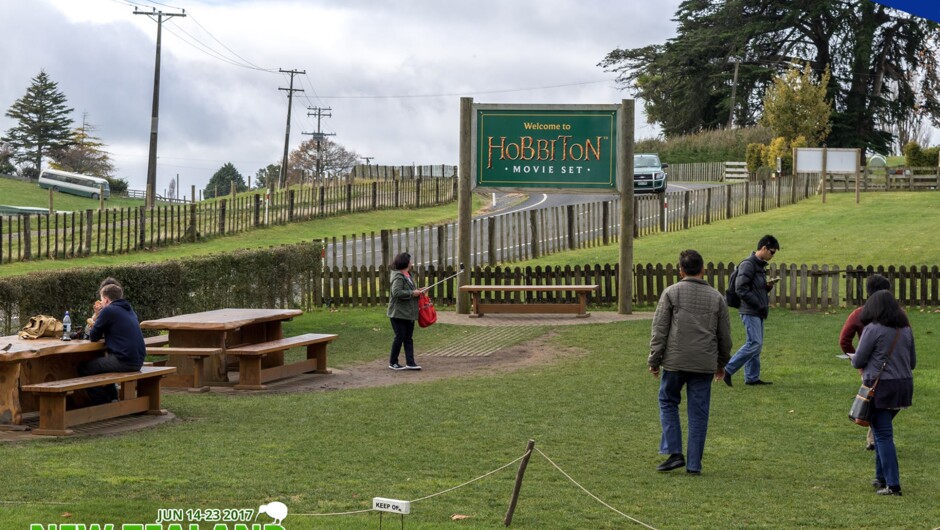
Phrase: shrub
pixel 707 146
pixel 755 156
pixel 915 156
pixel 286 276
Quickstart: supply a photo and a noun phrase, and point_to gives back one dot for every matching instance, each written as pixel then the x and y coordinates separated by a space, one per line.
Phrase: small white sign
pixel 391 505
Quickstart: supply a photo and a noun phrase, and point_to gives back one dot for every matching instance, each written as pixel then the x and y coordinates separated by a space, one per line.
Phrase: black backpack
pixel 731 297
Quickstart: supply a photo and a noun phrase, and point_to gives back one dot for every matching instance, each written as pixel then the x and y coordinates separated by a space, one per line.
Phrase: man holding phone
pixel 752 287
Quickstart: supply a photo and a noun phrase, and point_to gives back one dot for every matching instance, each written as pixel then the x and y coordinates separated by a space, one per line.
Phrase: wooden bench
pixel 157 340
pixel 481 308
pixel 140 392
pixel 192 383
pixel 252 377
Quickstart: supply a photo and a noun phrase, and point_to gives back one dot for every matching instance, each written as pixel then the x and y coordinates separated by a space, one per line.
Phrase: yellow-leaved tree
pixel 796 105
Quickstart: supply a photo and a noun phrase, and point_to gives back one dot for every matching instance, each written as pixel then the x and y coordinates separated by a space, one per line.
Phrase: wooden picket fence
pixel 802 287
pixel 534 233
pixel 119 230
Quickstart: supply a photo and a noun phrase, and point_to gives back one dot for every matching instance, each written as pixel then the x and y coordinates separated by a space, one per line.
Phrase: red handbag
pixel 427 315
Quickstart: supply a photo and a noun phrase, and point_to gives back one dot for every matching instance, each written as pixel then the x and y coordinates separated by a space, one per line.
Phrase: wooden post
pixel 464 202
pixel 51 209
pixel 708 205
pixel 822 177
pixel 534 233
pixel 858 169
pixel 605 222
pixel 686 199
pixel 100 197
pixel 625 123
pixel 514 499
pixel 569 216
pixel 491 241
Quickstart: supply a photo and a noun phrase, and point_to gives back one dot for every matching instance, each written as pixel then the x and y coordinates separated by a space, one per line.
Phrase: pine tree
pixel 43 123
pixel 221 182
pixel 85 155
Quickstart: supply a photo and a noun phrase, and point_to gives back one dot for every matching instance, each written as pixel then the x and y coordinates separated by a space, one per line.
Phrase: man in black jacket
pixel 117 323
pixel 752 287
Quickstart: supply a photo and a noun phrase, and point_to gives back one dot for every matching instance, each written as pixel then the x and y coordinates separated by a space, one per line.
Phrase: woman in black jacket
pixel 886 354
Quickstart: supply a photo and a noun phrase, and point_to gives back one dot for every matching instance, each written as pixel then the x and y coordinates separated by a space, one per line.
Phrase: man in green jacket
pixel 691 343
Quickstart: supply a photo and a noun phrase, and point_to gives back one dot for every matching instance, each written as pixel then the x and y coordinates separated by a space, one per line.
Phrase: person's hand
pixel 720 374
pixel 97 307
pixel 654 371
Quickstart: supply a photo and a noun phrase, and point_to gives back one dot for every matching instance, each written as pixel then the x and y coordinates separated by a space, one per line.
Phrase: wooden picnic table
pixel 24 362
pixel 224 329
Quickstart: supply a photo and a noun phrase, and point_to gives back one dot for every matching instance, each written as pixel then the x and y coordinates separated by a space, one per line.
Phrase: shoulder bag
pixel 860 413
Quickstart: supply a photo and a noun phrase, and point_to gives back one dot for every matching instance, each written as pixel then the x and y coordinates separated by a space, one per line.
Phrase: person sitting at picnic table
pixel 98 304
pixel 118 324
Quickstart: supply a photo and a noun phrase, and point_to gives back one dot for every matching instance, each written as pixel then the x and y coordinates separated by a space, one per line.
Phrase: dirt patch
pixel 377 373
pixel 537 351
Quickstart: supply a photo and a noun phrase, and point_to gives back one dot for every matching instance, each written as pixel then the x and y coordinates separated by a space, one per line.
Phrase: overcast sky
pixel 391 70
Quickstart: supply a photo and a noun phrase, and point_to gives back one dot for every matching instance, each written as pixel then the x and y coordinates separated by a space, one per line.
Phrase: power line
pixel 319 136
pixel 246 61
pixel 468 92
pixel 290 100
pixel 151 192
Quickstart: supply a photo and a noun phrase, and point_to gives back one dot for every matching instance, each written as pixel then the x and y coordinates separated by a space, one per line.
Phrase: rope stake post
pixel 518 486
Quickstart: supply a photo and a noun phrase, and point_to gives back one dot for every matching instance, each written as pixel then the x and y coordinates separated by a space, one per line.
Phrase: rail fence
pixel 871 179
pixel 802 287
pixel 65 235
pixel 531 234
pixel 379 172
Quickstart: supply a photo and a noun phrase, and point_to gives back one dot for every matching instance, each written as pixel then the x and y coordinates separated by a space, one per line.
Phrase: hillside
pixel 15 192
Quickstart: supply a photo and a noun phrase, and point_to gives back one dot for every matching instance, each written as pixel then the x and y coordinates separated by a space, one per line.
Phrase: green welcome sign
pixel 548 148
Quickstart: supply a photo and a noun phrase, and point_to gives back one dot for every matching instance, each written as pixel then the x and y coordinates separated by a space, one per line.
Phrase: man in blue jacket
pixel 117 323
pixel 752 287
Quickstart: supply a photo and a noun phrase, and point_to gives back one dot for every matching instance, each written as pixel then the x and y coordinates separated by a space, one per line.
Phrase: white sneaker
pixel 396 366
pixel 412 367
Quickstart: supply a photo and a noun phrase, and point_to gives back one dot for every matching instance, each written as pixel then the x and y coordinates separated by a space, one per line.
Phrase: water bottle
pixel 67 327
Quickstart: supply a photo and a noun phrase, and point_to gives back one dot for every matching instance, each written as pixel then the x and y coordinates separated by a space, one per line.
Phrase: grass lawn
pixel 783 456
pixel 885 229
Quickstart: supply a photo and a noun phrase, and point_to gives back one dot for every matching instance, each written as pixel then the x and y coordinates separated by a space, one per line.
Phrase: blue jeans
pixel 886 456
pixel 749 354
pixel 699 392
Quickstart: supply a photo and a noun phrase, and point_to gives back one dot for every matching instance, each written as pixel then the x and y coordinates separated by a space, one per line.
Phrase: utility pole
pixel 290 100
pixel 368 159
pixel 151 192
pixel 319 136
pixel 734 88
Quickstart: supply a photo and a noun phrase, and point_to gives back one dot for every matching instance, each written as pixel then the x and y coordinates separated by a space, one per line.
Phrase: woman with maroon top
pixel 853 328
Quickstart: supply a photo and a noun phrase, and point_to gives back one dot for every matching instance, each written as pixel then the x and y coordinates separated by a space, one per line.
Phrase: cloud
pixel 211 112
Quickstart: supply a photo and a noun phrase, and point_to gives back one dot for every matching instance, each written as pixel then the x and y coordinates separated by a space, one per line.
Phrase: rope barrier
pixel 595 497
pixel 471 481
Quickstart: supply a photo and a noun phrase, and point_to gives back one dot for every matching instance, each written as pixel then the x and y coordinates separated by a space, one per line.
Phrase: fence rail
pixel 378 172
pixel 802 287
pixel 119 230
pixel 532 234
pixel 887 179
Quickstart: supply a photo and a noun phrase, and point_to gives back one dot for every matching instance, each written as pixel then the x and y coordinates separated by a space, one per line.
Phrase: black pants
pixel 102 365
pixel 404 329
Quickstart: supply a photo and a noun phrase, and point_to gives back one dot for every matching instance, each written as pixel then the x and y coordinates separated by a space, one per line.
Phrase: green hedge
pixel 279 277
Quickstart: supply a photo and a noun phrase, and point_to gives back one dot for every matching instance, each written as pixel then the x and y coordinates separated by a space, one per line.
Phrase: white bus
pixel 74 183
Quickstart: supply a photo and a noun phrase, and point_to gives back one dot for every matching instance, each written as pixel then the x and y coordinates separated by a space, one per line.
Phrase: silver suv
pixel 649 175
